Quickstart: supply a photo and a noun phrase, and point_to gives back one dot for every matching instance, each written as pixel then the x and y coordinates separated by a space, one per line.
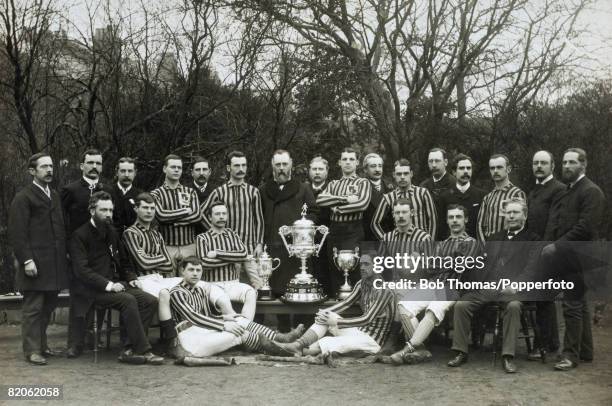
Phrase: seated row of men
pixel 234 214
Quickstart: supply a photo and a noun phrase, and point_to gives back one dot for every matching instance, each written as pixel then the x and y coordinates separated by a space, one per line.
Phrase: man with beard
pixel 348 198
pixel 282 200
pixel 463 193
pixel 177 210
pixel 124 193
pixel 439 183
pixel 373 170
pixel 491 218
pixel 245 214
pixel 200 173
pixel 103 277
pixel 423 207
pixel 540 199
pixel 333 334
pixel 37 234
pixel 75 196
pixel 575 215
pixel 317 174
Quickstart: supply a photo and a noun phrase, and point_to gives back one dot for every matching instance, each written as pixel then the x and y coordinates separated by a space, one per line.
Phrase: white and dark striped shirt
pixel 414 240
pixel 378 312
pixel 230 250
pixel 177 211
pixel 192 303
pixel 244 211
pixel 461 245
pixel 337 189
pixel 147 250
pixel 424 217
pixel 491 219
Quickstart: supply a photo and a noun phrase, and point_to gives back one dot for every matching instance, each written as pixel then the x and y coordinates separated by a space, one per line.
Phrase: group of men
pixel 187 251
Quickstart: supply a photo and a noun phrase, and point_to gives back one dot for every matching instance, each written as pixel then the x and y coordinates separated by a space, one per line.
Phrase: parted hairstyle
pixel 98 196
pixel 33 161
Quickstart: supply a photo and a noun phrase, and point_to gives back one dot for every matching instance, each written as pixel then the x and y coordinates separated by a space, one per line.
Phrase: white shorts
pixel 155 283
pixel 437 307
pixel 236 291
pixel 204 342
pixel 346 340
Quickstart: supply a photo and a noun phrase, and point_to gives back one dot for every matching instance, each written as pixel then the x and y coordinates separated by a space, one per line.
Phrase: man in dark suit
pixel 463 193
pixel 438 184
pixel 575 215
pixel 200 173
pixel 37 234
pixel 540 199
pixel 75 196
pixel 124 194
pixel 373 171
pixel 510 254
pixel 103 277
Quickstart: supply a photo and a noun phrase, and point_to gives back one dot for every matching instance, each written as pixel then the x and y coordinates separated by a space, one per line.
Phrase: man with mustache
pixel 103 276
pixel 439 183
pixel 38 237
pixel 177 210
pixel 421 201
pixel 540 199
pixel 124 193
pixel 575 215
pixel 244 212
pixel 373 171
pixel 220 251
pixel 491 218
pixel 282 200
pixel 463 193
pixel 348 199
pixel 75 196
pixel 200 173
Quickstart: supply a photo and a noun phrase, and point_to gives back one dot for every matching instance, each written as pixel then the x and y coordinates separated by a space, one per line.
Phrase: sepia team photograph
pixel 350 202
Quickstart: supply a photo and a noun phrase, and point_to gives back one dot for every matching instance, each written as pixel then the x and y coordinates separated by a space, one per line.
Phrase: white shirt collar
pixel 439 179
pixel 545 181
pixel 91 182
pixel 201 188
pixel 571 185
pixel 44 189
pixel 124 190
pixel 463 188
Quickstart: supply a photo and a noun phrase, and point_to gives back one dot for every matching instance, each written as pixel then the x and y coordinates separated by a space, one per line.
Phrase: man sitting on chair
pixel 202 334
pixel 220 250
pixel 365 333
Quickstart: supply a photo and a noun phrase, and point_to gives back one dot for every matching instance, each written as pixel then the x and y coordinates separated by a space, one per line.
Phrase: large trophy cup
pixel 303 288
pixel 346 261
pixel 265 267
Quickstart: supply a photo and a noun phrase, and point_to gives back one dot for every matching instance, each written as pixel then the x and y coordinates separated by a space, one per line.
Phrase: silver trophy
pixel 346 261
pixel 303 288
pixel 265 267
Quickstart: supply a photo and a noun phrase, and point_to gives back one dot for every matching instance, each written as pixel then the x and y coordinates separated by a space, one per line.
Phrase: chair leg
pixel 109 327
pixel 537 336
pixel 496 333
pixel 95 335
pixel 525 328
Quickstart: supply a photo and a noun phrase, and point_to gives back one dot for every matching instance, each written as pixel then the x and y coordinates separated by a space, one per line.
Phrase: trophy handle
pixel 335 257
pixel 323 230
pixel 277 265
pixel 282 231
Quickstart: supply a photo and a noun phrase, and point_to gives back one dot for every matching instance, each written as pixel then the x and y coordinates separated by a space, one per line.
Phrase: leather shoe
pixel 537 355
pixel 73 352
pixel 51 353
pixel 397 358
pixel 460 359
pixel 565 364
pixel 153 359
pixel 36 359
pixel 509 365
pixel 129 357
pixel 279 349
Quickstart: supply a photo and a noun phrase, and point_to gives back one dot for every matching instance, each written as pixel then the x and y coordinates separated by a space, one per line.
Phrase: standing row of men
pixel 240 218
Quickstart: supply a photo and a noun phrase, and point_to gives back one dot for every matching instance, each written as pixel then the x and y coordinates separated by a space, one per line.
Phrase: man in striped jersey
pixel 458 245
pixel 348 198
pixel 151 261
pixel 365 333
pixel 220 250
pixel 202 334
pixel 177 210
pixel 421 201
pixel 244 212
pixel 491 219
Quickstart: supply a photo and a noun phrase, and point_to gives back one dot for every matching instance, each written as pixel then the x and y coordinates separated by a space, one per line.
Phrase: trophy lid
pixel 264 254
pixel 303 222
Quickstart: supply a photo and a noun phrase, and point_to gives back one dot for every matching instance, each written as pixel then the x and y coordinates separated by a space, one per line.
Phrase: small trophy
pixel 265 268
pixel 346 261
pixel 303 288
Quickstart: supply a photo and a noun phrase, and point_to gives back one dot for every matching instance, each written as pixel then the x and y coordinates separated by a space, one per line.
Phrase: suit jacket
pixel 471 200
pixel 202 197
pixel 540 200
pixel 369 213
pixel 323 213
pixel 96 261
pixel 75 201
pixel 123 213
pixel 36 231
pixel 438 190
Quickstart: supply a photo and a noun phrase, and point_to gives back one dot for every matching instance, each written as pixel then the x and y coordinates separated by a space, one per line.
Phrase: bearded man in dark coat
pixel 37 234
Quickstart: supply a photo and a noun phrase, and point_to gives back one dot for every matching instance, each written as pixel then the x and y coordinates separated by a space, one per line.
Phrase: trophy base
pixel 265 295
pixel 303 290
